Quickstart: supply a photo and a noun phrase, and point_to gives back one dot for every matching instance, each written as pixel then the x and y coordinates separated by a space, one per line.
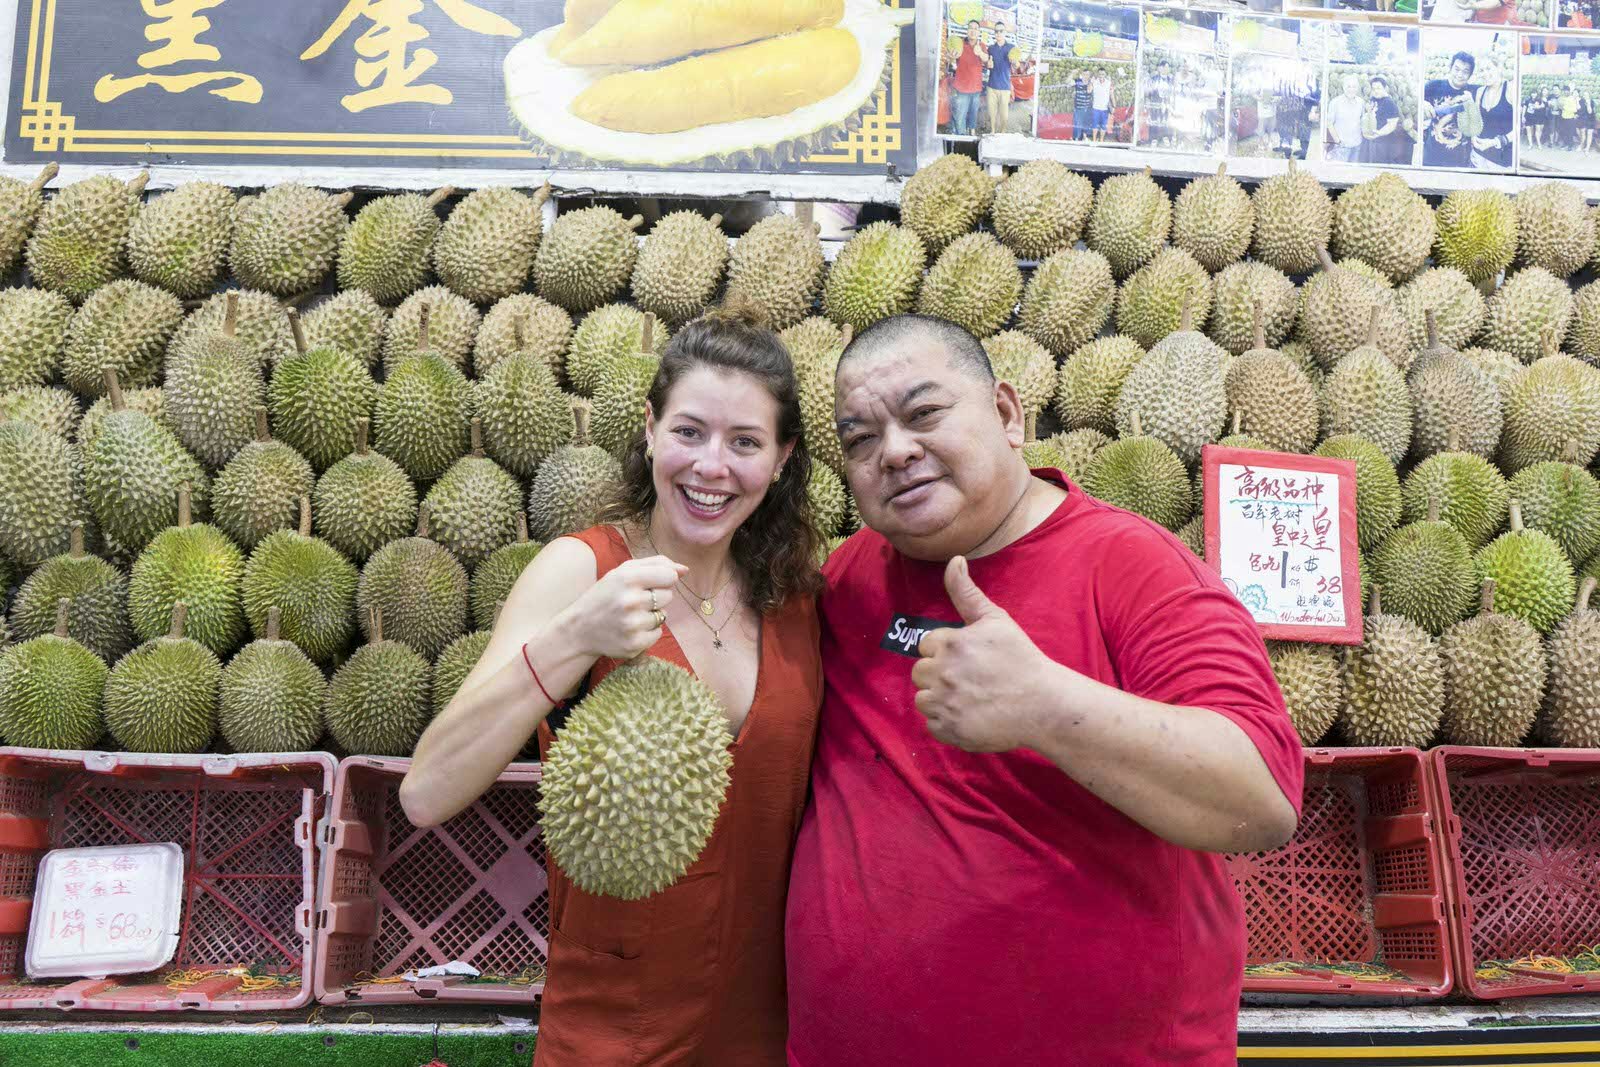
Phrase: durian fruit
pixel 20 205
pixel 144 401
pixel 421 418
pixel 50 409
pixel 124 325
pixel 388 248
pixel 493 578
pixel 179 240
pixel 1495 670
pixel 1130 220
pixel 605 335
pixel 474 505
pixel 1367 394
pixel 1554 228
pixel 1039 210
pixel 1068 299
pixel 1313 689
pixel 1382 222
pixel 777 264
pixel 450 670
pixel 50 690
pixel 1177 390
pixel 680 266
pixel 132 475
pixel 946 199
pixel 40 494
pixel 1528 304
pixel 812 339
pixel 573 484
pixel 99 594
pixel 1583 328
pixel 1271 397
pixel 1377 486
pixel 452 328
pixel 1563 500
pixel 876 274
pixel 1469 491
pixel 649 739
pixel 212 391
pixel 1075 451
pixel 379 700
pixel 1193 535
pixel 1532 577
pixel 828 499
pixel 1236 293
pixel 351 321
pixel 1571 716
pixel 1457 406
pixel 1037 453
pixel 1089 381
pixel 814 373
pixel 79 242
pixel 316 397
pixel 1019 359
pixel 1426 571
pixel 1551 408
pixel 1151 302
pixel 194 565
pixel 420 588
pixel 162 696
pixel 1477 233
pixel 270 696
pixel 1141 474
pixel 33 335
pixel 587 258
pixel 619 402
pixel 485 249
pixel 285 239
pixel 523 322
pixel 1213 220
pixel 259 490
pixel 1294 221
pixel 524 414
pixel 1457 306
pixel 259 324
pixel 1500 366
pixel 364 501
pixel 1336 308
pixel 309 583
pixel 1393 682
pixel 974 283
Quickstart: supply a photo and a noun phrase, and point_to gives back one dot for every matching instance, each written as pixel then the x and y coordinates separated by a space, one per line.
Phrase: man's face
pixel 999 35
pixel 1379 90
pixel 1460 74
pixel 972 31
pixel 927 448
pixel 1351 88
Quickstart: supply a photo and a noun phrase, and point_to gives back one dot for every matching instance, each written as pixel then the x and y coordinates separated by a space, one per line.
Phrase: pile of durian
pixel 269 463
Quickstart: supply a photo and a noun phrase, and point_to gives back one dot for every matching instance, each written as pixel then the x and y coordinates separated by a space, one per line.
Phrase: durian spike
pixel 51 169
pixel 185 512
pixel 1433 328
pixel 441 195
pixel 363 428
pixel 305 516
pixel 75 541
pixel 1260 324
pixel 263 434
pixel 1185 323
pixel 180 615
pixel 298 331
pixel 343 199
pixel 1375 603
pixel 1585 591
pixel 477 437
pixel 1516 515
pixel 63 610
pixel 1133 419
pixel 136 187
pixel 375 626
pixel 1326 260
pixel 230 314
pixel 647 333
pixel 422 326
pixel 580 423
pixel 113 387
pixel 1433 509
pixel 274 623
pixel 1372 329
pixel 1486 598
pixel 423 529
pixel 522 527
pixel 715 220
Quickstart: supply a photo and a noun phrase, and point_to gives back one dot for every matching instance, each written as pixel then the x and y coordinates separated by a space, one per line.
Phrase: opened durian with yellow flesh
pixel 641 32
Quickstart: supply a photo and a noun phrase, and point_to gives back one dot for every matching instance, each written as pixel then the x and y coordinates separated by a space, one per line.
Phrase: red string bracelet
pixel 535 674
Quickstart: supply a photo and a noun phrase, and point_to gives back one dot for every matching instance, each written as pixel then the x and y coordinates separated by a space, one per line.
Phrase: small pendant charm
pixel 716 642
pixel 706 608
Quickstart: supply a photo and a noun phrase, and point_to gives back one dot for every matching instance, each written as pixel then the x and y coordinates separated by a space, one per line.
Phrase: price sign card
pixel 1281 530
pixel 102 911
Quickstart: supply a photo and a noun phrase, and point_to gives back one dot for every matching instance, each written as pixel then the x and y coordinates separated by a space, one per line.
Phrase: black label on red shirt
pixel 905 632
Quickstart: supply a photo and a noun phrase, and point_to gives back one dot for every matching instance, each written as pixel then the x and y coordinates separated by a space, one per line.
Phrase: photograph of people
pixel 1344 116
pixel 1388 10
pixel 1183 81
pixel 1382 65
pixel 1275 87
pixel 967 75
pixel 1488 12
pixel 1559 107
pixel 1468 116
pixel 1577 14
pixel 1087 73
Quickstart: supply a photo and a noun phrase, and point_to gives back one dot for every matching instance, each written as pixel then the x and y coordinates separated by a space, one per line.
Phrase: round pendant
pixel 706 608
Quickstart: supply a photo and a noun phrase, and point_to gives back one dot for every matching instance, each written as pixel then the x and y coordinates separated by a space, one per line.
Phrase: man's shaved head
pixel 900 333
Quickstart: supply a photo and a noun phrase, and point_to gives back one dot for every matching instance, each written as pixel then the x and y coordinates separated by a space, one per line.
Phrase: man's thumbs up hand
pixel 979 685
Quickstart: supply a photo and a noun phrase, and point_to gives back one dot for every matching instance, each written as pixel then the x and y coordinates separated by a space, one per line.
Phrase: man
pixel 1082 95
pixel 1100 104
pixel 1386 141
pixel 1043 719
pixel 1444 145
pixel 1344 123
pixel 997 87
pixel 1158 106
pixel 968 81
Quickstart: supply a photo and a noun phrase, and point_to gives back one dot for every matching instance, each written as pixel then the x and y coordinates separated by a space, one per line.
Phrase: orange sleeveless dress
pixel 694 974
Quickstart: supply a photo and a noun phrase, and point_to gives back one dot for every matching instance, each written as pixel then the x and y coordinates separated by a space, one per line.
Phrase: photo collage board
pixel 1507 86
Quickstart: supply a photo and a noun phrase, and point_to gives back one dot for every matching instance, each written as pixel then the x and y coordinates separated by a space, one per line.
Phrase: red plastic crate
pixel 1361 881
pixel 396 898
pixel 246 827
pixel 1521 831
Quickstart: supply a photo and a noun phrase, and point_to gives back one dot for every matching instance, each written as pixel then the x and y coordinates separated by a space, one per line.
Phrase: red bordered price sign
pixel 1281 530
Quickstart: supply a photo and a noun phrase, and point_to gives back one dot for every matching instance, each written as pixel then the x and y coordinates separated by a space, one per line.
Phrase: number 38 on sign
pixel 1281 530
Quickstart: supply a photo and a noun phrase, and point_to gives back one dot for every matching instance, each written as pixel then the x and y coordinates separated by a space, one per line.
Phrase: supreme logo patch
pixel 905 631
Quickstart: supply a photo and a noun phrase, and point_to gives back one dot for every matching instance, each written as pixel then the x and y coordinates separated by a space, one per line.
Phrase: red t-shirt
pixel 969 70
pixel 948 907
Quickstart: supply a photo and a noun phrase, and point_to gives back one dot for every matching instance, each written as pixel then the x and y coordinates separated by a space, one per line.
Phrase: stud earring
pixel 776 475
pixel 649 454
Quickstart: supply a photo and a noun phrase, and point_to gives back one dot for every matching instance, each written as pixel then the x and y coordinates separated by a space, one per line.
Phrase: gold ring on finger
pixel 660 617
pixel 652 600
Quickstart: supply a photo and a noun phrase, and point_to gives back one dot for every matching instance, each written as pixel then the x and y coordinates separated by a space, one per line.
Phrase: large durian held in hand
pixel 378 702
pixel 635 780
pixel 162 696
pixel 50 690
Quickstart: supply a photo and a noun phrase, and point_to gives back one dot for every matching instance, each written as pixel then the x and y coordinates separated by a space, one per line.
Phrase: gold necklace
pixel 708 605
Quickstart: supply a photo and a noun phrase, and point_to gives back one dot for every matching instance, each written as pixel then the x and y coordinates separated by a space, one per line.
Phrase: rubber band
pixel 535 674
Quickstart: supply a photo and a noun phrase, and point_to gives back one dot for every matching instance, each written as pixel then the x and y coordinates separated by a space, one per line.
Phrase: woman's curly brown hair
pixel 776 550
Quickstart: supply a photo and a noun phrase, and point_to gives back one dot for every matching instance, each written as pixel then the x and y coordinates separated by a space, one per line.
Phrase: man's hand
pixel 979 685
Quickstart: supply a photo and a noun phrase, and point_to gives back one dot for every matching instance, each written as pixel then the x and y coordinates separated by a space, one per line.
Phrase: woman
pixel 1491 149
pixel 708 561
pixel 1533 114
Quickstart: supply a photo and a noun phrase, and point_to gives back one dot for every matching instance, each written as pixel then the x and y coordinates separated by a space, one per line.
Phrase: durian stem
pixel 363 428
pixel 1569 451
pixel 305 516
pixel 113 388
pixel 50 171
pixel 1222 170
pixel 180 614
pixel 185 514
pixel 1260 324
pixel 423 314
pixel 805 211
pixel 441 195
pixel 274 623
pixel 1516 515
pixel 477 437
pixel 1375 605
pixel 422 520
pixel 75 544
pixel 1187 318
pixel 1585 591
pixel 1433 328
pixel 63 612
pixel 298 330
pixel 1325 259
pixel 715 220
pixel 1453 439
pixel 136 187
pixel 1133 419
pixel 263 434
pixel 375 626
pixel 522 527
pixel 580 424
pixel 541 194
pixel 846 335
pixel 635 222
pixel 1433 509
pixel 230 314
pixel 1547 340
pixel 647 333
pixel 1486 598
pixel 519 333
pixel 1029 428
pixel 1238 422
pixel 344 198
